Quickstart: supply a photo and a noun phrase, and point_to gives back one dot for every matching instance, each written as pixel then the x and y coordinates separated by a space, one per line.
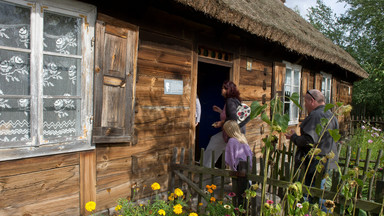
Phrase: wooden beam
pixel 87 179
pixel 194 74
pixel 235 71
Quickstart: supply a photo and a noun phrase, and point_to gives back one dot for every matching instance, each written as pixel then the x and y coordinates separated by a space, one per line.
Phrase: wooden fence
pixel 357 121
pixel 280 173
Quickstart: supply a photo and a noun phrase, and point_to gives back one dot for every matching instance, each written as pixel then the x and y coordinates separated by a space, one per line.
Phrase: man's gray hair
pixel 317 95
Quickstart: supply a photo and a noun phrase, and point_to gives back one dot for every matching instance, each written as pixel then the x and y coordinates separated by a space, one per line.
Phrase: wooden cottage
pixel 94 94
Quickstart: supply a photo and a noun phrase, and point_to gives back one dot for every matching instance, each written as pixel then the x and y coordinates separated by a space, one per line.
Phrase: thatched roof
pixel 272 20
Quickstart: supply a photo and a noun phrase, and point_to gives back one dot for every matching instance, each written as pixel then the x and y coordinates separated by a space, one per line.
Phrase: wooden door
pixel 115 72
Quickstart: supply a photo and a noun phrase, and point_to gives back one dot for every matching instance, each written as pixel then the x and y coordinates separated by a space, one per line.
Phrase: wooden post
pixel 171 185
pixel 213 166
pixel 87 179
pixel 182 156
pixel 200 180
pixel 253 200
pixel 373 177
pixel 379 193
pixel 221 193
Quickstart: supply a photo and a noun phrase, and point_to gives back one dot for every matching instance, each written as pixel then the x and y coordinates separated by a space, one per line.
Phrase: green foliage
pixel 359 31
pixel 175 205
pixel 256 109
pixel 279 121
pixel 366 137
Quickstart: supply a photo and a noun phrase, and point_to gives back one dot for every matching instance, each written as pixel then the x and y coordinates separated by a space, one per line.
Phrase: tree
pixel 360 31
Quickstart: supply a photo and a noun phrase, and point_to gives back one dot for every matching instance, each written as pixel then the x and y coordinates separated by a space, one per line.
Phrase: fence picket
pixel 277 177
pixel 373 177
pixel 253 200
pixel 200 181
pixel 221 195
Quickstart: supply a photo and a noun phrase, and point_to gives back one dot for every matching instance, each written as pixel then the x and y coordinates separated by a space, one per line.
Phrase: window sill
pixel 43 150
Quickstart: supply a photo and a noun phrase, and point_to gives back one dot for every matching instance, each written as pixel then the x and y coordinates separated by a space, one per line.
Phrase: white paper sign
pixel 174 87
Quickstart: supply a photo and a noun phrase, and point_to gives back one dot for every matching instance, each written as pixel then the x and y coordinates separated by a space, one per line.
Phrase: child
pixel 236 153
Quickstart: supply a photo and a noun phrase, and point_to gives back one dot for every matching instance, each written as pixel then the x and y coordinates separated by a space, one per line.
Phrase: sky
pixel 303 5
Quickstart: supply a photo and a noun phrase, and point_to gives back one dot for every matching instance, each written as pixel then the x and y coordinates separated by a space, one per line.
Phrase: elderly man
pixel 314 103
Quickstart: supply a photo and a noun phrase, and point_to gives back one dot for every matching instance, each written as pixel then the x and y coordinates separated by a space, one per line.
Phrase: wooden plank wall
pixel 254 85
pixel 161 122
pixel 40 186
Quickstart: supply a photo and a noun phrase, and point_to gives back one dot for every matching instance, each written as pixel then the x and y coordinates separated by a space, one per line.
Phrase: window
pixel 326 87
pixel 291 85
pixel 45 76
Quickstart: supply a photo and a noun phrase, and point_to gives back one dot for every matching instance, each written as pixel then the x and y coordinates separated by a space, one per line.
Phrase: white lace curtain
pixel 60 79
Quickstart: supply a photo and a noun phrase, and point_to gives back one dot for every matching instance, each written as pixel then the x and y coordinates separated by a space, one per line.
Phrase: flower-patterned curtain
pixel 60 78
pixel 15 73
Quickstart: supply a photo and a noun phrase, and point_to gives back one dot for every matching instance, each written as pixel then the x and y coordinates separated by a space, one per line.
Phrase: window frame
pixel 37 145
pixel 326 77
pixel 293 67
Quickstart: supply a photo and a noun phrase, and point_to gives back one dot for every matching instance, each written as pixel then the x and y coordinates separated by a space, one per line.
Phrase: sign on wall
pixel 174 87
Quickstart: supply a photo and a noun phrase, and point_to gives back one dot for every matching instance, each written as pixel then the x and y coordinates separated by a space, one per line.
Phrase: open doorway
pixel 209 82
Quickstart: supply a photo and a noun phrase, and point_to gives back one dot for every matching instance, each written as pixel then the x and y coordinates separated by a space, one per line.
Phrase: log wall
pixel 161 123
pixel 40 186
pixel 55 185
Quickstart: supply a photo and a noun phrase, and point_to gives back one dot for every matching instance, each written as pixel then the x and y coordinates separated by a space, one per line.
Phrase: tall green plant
pixel 277 122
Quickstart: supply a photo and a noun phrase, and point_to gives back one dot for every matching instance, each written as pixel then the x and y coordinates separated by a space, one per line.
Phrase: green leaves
pixel 319 129
pixel 328 107
pixel 282 121
pixel 335 134
pixel 256 109
pixel 295 99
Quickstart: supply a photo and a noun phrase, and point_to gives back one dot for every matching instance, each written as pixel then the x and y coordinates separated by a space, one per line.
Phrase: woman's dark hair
pixel 232 91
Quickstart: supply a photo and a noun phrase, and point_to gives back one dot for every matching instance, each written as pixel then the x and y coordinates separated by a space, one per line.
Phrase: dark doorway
pixel 209 82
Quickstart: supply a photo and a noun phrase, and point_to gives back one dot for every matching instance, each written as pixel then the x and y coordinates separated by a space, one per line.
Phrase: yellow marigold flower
pixel 178 209
pixel 200 204
pixel 220 202
pixel 90 206
pixel 171 197
pixel 210 190
pixel 118 207
pixel 161 212
pixel 213 187
pixel 193 214
pixel 213 199
pixel 155 186
pixel 179 192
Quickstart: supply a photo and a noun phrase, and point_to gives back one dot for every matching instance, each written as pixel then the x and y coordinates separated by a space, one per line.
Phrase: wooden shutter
pixel 115 69
pixel 334 90
pixel 278 78
pixel 318 81
pixel 305 86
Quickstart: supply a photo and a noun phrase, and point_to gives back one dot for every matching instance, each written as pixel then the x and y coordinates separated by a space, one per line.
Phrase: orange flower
pixel 213 199
pixel 210 190
pixel 213 187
